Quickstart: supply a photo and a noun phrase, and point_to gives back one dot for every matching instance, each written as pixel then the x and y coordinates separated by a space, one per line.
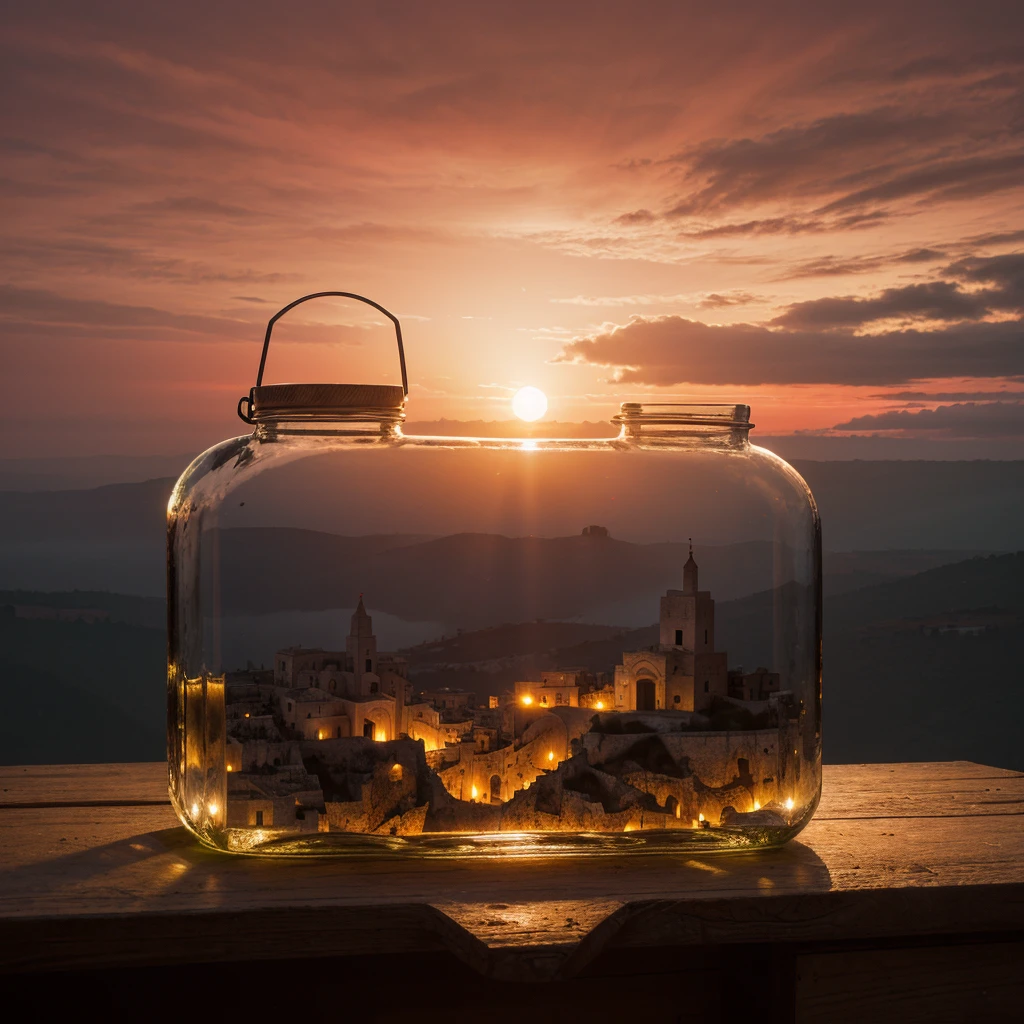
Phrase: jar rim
pixel 724 416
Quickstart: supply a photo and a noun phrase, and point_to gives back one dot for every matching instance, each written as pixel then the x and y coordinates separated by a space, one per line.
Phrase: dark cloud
pixel 934 300
pixel 88 257
pixel 670 350
pixel 840 266
pixel 919 256
pixel 1005 275
pixel 998 238
pixel 962 420
pixel 34 310
pixel 815 157
pixel 952 179
pixel 763 226
pixel 950 396
pixel 718 300
pixel 937 300
pixel 636 217
pixel 29 313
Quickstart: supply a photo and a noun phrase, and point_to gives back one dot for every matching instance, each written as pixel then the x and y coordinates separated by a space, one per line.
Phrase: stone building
pixel 750 686
pixel 683 672
pixel 334 694
pixel 555 689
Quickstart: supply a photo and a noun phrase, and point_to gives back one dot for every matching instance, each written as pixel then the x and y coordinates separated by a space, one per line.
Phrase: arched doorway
pixel 645 695
pixel 672 806
pixel 495 789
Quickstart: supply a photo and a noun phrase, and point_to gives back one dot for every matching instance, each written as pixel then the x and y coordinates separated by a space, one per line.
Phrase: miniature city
pixel 340 741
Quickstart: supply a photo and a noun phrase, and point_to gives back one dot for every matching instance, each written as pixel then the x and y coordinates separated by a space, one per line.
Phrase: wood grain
pixel 49 785
pixel 929 985
pixel 91 884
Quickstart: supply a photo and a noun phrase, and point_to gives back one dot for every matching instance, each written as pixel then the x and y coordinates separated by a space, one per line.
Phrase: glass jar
pixel 471 646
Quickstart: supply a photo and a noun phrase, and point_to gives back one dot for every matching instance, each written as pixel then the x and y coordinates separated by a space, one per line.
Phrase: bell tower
pixel 690 573
pixel 361 644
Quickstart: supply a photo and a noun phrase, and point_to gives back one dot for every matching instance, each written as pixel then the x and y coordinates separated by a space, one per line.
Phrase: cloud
pixel 950 396
pixel 933 300
pixel 720 300
pixel 636 217
pixel 937 300
pixel 701 300
pixel 37 313
pixel 840 266
pixel 670 350
pixel 951 179
pixel 814 158
pixel 959 421
pixel 1004 273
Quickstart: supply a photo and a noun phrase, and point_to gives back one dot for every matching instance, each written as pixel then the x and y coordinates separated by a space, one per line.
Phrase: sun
pixel 529 403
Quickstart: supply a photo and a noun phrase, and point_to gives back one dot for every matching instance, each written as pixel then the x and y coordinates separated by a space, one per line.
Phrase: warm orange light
pixel 551 755
pixel 230 769
pixel 474 793
pixel 789 804
pixel 380 736
pixel 319 734
pixel 757 805
pixel 599 705
pixel 247 714
pixel 527 700
pixel 195 810
pixel 700 817
pixel 212 808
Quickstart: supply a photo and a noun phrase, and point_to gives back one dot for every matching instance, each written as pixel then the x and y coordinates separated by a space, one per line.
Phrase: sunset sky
pixel 817 209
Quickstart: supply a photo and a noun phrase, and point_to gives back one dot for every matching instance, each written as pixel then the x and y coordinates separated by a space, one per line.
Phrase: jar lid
pixel 269 402
pixel 326 401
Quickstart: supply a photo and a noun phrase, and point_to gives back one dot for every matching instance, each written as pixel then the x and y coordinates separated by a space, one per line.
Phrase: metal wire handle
pixel 250 398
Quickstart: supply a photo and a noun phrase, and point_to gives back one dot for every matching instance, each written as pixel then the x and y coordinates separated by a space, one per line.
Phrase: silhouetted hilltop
pixel 467 580
pixel 922 668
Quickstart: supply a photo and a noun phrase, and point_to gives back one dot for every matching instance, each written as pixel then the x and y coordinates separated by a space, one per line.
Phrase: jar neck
pixel 680 423
pixel 357 423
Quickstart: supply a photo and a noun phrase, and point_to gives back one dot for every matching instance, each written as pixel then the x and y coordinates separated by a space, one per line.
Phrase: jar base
pixel 456 845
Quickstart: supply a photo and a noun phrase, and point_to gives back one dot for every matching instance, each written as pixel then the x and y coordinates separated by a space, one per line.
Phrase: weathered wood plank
pixel 76 784
pixel 874 790
pixel 66 869
pixel 930 985
pixel 952 788
pixel 139 858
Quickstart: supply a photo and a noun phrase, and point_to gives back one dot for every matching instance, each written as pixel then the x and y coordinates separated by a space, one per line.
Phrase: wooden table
pixel 902 900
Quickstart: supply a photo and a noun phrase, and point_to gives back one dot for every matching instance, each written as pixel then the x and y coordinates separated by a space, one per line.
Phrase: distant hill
pixel 870 506
pixel 112 537
pixel 136 611
pixel 81 691
pixel 926 667
pixel 469 580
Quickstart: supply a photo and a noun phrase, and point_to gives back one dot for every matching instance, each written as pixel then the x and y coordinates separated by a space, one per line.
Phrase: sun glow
pixel 529 403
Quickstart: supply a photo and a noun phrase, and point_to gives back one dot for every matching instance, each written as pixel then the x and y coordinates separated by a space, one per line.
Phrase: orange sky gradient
pixel 814 209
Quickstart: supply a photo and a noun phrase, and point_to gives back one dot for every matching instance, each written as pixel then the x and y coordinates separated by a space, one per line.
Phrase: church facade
pixel 683 672
pixel 337 694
